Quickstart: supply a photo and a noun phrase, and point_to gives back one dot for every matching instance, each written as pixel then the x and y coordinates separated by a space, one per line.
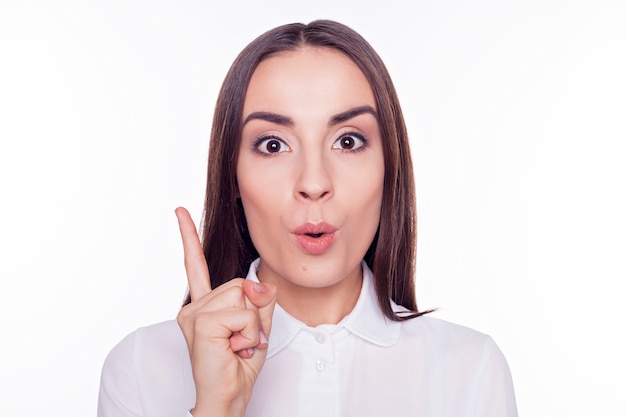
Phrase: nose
pixel 314 180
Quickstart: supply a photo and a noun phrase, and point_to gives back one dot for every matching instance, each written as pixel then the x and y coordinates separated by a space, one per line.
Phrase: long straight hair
pixel 228 248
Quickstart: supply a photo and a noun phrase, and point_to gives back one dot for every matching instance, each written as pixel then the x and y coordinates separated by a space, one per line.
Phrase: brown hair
pixel 228 248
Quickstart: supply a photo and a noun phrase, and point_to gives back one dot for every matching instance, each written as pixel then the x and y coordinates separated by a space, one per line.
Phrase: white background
pixel 516 112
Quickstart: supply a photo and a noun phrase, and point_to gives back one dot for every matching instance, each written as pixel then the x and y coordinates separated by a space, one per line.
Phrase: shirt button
pixel 320 338
pixel 320 366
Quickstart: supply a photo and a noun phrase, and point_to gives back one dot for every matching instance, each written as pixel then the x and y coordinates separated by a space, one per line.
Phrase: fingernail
pixel 258 288
pixel 262 337
pixel 250 351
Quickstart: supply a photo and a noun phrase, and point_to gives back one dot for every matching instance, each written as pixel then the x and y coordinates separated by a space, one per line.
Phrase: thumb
pixel 263 297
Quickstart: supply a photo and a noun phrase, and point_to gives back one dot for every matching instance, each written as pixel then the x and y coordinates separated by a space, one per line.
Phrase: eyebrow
pixel 334 120
pixel 270 117
pixel 352 113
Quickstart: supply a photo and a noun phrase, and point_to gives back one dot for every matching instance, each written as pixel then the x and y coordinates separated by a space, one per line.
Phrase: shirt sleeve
pixel 141 376
pixel 118 394
pixel 496 397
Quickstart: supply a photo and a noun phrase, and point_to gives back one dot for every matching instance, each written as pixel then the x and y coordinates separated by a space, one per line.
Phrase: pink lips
pixel 315 239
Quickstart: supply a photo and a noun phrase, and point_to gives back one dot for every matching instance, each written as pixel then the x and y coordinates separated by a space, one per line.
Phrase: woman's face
pixel 310 168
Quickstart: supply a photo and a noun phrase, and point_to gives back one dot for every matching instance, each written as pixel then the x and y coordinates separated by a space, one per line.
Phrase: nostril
pixel 316 196
pixel 314 193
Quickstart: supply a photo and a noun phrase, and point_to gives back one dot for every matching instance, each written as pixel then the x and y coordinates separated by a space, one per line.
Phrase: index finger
pixel 195 262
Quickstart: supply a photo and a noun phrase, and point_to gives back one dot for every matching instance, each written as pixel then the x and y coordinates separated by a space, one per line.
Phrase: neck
pixel 315 306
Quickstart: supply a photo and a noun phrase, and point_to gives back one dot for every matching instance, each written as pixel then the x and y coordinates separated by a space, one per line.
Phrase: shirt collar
pixel 366 320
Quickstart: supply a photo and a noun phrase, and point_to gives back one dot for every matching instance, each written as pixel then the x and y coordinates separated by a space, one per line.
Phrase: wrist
pixel 216 411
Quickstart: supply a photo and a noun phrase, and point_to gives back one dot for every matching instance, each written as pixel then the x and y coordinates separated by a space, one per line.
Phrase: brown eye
pixel 349 142
pixel 271 145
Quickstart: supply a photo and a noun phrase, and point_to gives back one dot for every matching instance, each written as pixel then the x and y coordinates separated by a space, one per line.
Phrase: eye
pixel 270 145
pixel 350 142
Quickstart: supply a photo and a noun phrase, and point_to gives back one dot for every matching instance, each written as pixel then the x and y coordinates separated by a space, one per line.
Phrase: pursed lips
pixel 315 239
pixel 315 229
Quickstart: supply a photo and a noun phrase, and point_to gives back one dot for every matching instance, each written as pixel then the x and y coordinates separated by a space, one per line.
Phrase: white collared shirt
pixel 366 365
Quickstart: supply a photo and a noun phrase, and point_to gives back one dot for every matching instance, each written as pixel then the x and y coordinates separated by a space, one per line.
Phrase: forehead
pixel 306 79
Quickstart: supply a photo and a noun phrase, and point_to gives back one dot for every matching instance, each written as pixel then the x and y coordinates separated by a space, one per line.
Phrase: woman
pixel 310 196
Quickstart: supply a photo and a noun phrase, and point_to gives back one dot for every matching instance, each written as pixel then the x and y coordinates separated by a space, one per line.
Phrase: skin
pixel 311 178
pixel 314 168
pixel 225 329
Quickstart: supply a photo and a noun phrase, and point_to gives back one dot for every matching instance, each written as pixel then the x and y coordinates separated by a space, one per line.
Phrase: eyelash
pixel 266 139
pixel 256 146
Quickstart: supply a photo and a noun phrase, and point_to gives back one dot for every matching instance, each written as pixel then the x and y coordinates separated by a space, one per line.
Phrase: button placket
pixel 322 351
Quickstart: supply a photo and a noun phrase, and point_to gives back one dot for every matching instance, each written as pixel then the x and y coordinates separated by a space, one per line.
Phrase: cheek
pixel 255 209
pixel 362 193
pixel 371 205
pixel 262 194
pixel 363 181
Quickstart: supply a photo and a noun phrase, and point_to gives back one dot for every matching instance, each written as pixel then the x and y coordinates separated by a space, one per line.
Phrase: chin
pixel 320 273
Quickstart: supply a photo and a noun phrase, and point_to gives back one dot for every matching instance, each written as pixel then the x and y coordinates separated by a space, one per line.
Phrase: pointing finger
pixel 195 263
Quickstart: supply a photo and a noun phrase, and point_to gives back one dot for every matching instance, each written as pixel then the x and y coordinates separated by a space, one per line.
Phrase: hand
pixel 225 329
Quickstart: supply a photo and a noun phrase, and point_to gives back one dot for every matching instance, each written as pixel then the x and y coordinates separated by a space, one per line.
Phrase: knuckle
pixel 252 338
pixel 233 283
pixel 232 296
pixel 234 289
pixel 182 316
pixel 251 316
